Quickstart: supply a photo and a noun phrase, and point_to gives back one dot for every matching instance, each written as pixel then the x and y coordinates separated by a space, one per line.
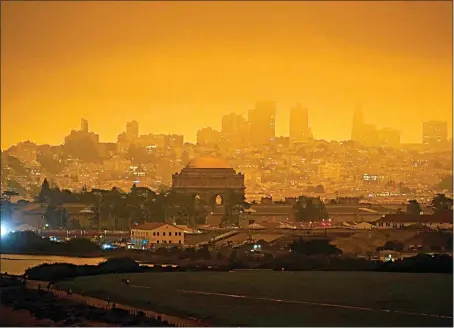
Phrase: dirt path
pixel 185 322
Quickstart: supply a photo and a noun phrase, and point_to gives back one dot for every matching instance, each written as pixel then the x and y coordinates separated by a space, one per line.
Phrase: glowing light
pixel 4 230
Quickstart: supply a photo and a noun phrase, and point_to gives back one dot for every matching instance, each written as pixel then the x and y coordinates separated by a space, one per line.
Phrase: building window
pixel 164 242
pixel 157 233
pixel 157 241
pixel 163 233
pixel 170 241
pixel 154 233
pixel 179 234
pixel 179 242
pixel 170 234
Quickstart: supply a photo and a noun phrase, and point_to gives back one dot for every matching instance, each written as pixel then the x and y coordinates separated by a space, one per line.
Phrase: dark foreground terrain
pixel 21 306
pixel 267 298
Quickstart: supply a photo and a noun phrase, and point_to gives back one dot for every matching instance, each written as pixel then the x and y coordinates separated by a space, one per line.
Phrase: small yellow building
pixel 150 235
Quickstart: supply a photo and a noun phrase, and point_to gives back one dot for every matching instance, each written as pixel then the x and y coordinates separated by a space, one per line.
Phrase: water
pixel 17 264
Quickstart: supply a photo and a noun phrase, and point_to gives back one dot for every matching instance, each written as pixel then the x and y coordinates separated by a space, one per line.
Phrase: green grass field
pixel 417 293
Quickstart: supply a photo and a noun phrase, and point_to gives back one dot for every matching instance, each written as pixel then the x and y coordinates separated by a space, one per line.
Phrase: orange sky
pixel 179 66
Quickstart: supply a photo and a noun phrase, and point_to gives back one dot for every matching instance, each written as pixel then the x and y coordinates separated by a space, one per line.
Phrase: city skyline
pixel 204 67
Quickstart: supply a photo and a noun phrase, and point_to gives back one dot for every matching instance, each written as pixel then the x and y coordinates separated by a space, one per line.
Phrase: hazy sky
pixel 179 66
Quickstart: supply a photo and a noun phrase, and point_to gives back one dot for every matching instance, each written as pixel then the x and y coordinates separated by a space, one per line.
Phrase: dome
pixel 208 163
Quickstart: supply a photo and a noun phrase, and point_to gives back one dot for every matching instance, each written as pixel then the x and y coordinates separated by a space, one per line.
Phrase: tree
pixel 74 224
pixel 314 247
pixel 446 183
pixel 56 217
pixel 310 209
pixel 392 245
pixel 441 203
pixel 413 207
pixel 44 194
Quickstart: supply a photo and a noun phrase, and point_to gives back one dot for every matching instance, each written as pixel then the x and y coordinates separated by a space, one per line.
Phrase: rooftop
pixel 208 163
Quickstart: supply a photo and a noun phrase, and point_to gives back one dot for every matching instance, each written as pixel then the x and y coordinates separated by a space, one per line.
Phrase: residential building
pixel 208 137
pixel 150 235
pixel 330 171
pixel 434 132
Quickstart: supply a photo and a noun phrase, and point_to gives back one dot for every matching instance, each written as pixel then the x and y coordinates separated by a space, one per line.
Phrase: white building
pixel 150 235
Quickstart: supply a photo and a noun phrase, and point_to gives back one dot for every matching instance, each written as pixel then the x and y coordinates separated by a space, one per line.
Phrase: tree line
pixel 118 209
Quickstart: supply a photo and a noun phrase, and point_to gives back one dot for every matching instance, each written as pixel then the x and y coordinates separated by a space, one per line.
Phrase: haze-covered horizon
pixel 177 67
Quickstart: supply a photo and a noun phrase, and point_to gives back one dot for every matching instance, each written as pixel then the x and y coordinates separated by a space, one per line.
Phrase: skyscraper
pixel 298 126
pixel 262 122
pixel 434 132
pixel 84 125
pixel 208 137
pixel 132 130
pixel 388 137
pixel 358 125
pixel 234 130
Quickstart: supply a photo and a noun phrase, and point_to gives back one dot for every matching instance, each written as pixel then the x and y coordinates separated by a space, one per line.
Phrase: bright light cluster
pixel 4 230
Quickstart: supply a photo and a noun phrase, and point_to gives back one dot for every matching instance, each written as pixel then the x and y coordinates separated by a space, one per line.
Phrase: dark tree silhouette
pixel 441 203
pixel 413 207
pixel 446 183
pixel 314 247
pixel 392 245
pixel 310 209
pixel 45 193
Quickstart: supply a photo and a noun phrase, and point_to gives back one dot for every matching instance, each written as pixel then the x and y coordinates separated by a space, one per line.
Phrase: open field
pixel 266 298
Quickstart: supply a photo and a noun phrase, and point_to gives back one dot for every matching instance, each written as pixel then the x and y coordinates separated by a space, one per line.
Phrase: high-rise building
pixel 388 137
pixel 132 130
pixel 299 126
pixel 358 125
pixel 234 130
pixel 262 122
pixel 208 137
pixel 434 132
pixel 369 135
pixel 84 125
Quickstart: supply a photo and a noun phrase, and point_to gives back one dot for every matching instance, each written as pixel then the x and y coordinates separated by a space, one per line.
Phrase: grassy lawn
pixel 420 293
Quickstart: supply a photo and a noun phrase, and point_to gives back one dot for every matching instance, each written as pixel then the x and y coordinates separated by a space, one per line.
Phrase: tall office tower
pixel 369 135
pixel 388 137
pixel 208 137
pixel 298 126
pixel 434 132
pixel 262 123
pixel 358 125
pixel 132 130
pixel 234 130
pixel 84 125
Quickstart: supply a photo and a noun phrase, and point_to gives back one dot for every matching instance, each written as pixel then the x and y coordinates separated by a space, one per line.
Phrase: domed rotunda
pixel 208 178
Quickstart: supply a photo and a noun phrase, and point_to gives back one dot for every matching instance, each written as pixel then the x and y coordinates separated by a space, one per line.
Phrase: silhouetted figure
pixel 108 301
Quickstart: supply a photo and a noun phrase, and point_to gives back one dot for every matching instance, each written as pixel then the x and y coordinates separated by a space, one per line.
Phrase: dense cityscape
pixel 373 165
pixel 226 164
